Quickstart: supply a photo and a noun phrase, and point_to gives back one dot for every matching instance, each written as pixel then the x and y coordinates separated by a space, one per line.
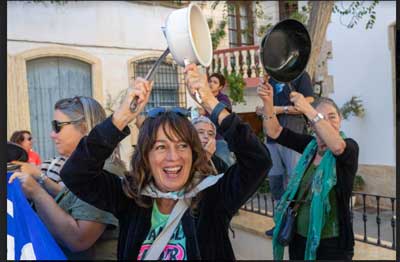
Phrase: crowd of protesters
pixel 188 178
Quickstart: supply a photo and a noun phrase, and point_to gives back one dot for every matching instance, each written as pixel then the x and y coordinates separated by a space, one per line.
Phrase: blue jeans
pixel 277 186
pixel 284 160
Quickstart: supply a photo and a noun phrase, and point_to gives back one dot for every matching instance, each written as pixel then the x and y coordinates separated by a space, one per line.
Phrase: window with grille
pixel 168 89
pixel 286 8
pixel 240 24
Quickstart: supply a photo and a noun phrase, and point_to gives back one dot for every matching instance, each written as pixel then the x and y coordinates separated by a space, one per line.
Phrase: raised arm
pixel 83 173
pixel 323 128
pixel 270 122
pixel 253 160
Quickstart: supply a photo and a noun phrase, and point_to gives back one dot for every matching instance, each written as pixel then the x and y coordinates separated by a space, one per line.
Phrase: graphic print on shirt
pixel 176 247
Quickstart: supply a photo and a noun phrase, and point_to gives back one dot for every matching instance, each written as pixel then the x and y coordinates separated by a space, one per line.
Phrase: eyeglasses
pixel 56 125
pixel 154 112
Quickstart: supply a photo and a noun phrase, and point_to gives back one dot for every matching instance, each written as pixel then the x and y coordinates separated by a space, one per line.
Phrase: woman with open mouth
pixel 171 205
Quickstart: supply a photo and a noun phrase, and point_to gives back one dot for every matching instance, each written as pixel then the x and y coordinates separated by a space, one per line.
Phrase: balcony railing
pixel 243 60
pixel 381 233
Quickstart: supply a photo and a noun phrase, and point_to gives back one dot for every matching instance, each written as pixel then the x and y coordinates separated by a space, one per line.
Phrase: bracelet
pixel 42 178
pixel 286 109
pixel 216 111
pixel 268 117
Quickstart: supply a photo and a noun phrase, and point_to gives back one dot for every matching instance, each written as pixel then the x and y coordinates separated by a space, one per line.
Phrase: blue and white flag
pixel 27 237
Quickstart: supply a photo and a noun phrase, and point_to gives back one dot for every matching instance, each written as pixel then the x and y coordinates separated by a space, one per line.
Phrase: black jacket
pixel 219 164
pixel 346 168
pixel 207 235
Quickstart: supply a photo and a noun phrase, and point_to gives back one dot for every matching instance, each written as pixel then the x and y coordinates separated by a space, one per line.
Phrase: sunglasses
pixel 56 125
pixel 154 112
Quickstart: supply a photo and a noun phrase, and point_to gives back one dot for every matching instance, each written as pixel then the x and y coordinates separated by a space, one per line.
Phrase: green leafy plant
pixel 359 183
pixel 229 7
pixel 262 29
pixel 218 33
pixel 353 107
pixel 301 15
pixel 357 10
pixel 236 86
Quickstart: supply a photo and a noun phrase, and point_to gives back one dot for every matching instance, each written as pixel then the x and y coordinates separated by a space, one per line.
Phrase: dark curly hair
pixel 220 77
pixel 18 136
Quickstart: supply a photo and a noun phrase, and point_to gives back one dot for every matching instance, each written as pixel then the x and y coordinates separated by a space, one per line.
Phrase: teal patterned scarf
pixel 323 181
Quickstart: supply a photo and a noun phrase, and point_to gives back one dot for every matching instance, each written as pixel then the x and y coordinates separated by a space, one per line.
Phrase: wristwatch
pixel 42 178
pixel 285 109
pixel 317 118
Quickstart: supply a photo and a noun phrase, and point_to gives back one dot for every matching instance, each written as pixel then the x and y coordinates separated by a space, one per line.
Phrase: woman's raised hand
pixel 266 93
pixel 140 88
pixel 300 103
pixel 210 147
pixel 197 82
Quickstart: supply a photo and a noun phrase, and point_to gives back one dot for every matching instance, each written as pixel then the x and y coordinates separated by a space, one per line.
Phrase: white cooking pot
pixel 189 41
pixel 188 36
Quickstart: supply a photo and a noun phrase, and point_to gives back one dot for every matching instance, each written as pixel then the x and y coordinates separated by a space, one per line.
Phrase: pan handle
pixel 291 60
pixel 149 76
pixel 197 97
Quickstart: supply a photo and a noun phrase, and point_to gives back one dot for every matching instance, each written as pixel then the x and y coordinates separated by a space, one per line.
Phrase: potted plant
pixel 236 85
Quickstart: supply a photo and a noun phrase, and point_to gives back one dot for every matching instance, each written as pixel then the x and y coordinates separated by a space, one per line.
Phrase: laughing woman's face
pixel 170 161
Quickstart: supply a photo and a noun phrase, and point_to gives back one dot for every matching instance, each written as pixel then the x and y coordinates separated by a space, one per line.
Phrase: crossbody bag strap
pixel 303 195
pixel 163 238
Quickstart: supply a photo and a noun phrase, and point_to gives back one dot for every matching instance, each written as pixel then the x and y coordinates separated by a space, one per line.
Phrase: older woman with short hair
pixel 320 187
pixel 207 133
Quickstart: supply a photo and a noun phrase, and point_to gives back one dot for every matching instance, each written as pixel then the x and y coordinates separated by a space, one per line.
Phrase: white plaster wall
pixel 361 66
pixel 102 23
pixel 252 100
pixel 114 32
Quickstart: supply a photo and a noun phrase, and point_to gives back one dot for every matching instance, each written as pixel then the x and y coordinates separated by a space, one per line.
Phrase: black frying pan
pixel 285 50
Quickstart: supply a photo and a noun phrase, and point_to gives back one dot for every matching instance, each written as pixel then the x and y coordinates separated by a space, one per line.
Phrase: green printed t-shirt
pixel 176 247
pixel 331 227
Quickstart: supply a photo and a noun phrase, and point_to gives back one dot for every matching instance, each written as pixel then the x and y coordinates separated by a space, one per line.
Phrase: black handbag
pixel 287 228
pixel 288 224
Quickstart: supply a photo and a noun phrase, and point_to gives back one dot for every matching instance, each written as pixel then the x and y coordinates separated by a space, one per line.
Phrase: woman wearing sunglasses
pixel 82 230
pixel 170 205
pixel 24 139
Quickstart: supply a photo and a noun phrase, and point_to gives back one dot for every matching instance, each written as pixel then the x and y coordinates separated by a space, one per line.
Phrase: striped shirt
pixel 52 167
